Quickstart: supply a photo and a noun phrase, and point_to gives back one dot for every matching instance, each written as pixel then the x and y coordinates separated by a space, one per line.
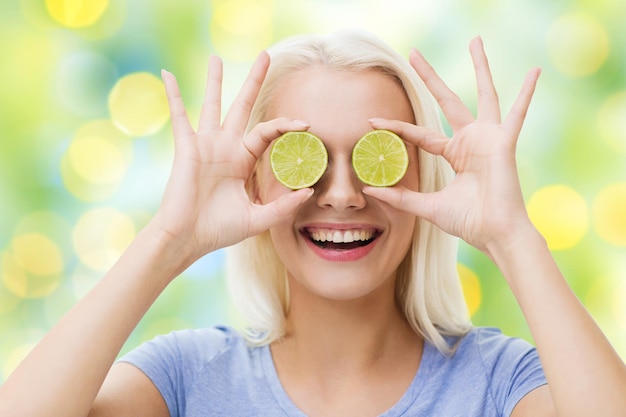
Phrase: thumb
pixel 270 214
pixel 401 198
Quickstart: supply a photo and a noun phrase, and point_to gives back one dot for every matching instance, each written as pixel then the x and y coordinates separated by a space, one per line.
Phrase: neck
pixel 346 334
pixel 353 357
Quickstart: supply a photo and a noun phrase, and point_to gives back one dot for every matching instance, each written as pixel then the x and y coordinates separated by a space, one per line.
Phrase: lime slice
pixel 298 159
pixel 380 158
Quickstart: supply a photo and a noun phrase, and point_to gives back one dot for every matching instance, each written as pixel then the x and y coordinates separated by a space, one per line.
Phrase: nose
pixel 339 188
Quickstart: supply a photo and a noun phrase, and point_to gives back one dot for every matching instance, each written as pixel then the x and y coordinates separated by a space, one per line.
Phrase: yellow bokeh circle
pixel 239 29
pixel 612 121
pixel 561 215
pixel 471 288
pixel 578 45
pixel 138 104
pixel 38 254
pixel 76 13
pixel 609 214
pixel 101 235
pixel 33 266
pixel 96 161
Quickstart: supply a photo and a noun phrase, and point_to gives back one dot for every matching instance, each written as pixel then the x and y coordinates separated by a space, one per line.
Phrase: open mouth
pixel 334 239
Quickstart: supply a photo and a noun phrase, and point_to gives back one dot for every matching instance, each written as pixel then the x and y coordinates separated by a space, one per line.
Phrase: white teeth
pixel 340 236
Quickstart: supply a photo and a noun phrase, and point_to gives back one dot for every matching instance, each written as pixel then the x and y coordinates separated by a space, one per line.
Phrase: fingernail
pixel 415 52
pixel 302 123
pixel 375 120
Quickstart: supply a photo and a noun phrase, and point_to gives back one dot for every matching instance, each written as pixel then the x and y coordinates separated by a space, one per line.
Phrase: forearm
pixel 64 372
pixel 585 374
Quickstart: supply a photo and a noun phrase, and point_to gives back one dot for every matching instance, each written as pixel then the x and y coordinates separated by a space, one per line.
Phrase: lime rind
pixel 298 159
pixel 380 158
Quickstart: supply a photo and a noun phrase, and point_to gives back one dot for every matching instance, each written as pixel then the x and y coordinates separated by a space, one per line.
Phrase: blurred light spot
pixel 471 288
pixel 32 267
pixel 100 237
pixel 37 254
pixel 138 104
pixel 577 44
pixel 612 121
pixel 48 223
pixel 96 161
pixel 83 81
pixel 109 24
pixel 76 13
pixel 239 29
pixel 560 214
pixel 609 214
pixel 14 357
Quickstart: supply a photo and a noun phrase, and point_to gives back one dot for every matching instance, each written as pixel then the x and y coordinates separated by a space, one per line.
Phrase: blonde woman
pixel 372 326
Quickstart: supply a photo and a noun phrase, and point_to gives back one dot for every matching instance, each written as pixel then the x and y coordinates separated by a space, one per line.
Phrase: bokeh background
pixel 85 143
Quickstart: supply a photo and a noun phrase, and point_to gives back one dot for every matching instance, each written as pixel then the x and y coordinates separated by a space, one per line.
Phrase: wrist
pixel 519 238
pixel 171 253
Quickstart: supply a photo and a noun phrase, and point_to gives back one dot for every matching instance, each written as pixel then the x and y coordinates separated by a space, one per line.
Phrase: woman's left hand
pixel 484 202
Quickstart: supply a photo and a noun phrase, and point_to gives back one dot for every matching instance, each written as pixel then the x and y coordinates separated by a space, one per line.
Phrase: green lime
pixel 298 159
pixel 380 158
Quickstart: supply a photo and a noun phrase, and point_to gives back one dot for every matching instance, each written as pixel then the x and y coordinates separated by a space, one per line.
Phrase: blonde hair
pixel 428 290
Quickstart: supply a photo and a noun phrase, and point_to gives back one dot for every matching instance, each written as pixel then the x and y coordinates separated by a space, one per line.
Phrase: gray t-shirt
pixel 213 372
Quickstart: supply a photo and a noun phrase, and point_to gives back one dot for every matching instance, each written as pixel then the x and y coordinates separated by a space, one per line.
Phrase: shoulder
pixel 188 349
pixel 196 368
pixel 490 344
pixel 487 374
pixel 498 357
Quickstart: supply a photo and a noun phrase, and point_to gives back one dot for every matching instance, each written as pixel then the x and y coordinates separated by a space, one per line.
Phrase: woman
pixel 376 328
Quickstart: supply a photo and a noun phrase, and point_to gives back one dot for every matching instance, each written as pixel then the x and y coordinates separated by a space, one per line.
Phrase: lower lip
pixel 348 255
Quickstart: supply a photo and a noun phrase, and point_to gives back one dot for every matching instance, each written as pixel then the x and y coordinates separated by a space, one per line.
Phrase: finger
pixel 275 212
pixel 515 119
pixel 237 117
pixel 178 114
pixel 259 138
pixel 431 141
pixel 455 111
pixel 211 113
pixel 401 198
pixel 488 102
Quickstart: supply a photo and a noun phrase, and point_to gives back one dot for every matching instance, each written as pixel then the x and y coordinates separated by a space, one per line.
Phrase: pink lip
pixel 345 255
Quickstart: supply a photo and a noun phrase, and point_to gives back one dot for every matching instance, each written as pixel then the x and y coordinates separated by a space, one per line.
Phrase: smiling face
pixel 341 244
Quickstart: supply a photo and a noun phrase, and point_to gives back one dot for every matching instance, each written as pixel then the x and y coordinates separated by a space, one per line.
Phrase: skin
pixel 338 107
pixel 69 372
pixel 368 348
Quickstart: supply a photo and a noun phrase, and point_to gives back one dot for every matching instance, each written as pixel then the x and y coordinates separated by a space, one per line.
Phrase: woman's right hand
pixel 205 205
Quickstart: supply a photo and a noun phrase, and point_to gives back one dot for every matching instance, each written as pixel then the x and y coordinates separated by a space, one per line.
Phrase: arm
pixel 64 373
pixel 484 206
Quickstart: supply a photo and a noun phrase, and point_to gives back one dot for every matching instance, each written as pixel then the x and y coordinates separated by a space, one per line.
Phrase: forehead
pixel 339 102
